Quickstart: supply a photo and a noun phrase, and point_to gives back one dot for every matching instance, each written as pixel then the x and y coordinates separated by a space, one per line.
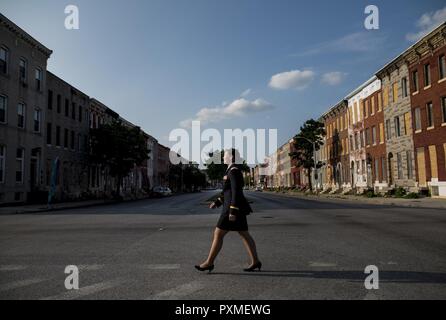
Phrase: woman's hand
pixel 212 205
pixel 232 217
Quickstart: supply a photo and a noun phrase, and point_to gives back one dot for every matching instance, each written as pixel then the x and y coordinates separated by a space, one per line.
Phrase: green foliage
pixel 311 132
pixel 118 148
pixel 400 192
pixel 412 195
pixel 216 169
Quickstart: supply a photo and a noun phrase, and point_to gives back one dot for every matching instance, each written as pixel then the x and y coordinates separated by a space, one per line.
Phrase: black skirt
pixel 240 223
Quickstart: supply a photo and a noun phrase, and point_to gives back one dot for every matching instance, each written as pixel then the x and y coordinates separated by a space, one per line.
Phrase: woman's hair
pixel 235 155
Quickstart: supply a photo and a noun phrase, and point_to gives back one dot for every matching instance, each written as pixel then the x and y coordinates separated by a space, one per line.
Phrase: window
pixel 376 169
pixel 73 111
pixel 357 143
pixel 366 108
pixel 58 136
pixel 407 123
pixel 367 136
pixel 72 144
pixel 386 96
pixel 373 105
pixel 400 165
pixel 409 165
pixel 374 135
pixel 427 75
pixel 67 108
pixel 2 163
pixel 415 80
pixel 79 142
pixel 381 132
pixel 417 115
pixel 37 115
pixel 38 79
pixel 397 126
pixel 19 165
pixel 59 103
pixel 22 70
pixel 352 146
pixel 50 100
pixel 380 101
pixel 4 58
pixel 21 115
pixel 430 115
pixel 3 106
pixel 395 92
pixel 383 168
pixel 404 87
pixel 65 138
pixel 49 132
pixel 443 108
pixel 442 66
pixel 80 113
pixel 388 129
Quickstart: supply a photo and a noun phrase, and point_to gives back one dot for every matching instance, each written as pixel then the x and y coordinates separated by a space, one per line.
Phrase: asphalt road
pixel 147 250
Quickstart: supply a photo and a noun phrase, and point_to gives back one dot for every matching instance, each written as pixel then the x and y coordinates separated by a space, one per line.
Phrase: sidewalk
pixel 37 208
pixel 428 203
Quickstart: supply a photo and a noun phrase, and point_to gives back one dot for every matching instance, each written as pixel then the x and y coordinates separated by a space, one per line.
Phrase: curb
pixel 353 201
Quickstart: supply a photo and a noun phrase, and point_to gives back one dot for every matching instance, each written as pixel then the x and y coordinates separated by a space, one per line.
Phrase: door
pixel 421 164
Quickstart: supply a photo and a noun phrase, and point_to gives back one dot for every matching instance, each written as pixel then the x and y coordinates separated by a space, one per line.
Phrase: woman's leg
pixel 250 246
pixel 216 246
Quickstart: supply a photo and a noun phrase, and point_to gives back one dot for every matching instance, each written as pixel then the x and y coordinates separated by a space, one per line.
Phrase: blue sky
pixel 163 63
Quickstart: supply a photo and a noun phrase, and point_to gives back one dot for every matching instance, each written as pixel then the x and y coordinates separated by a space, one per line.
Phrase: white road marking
pixel 85 291
pixel 12 267
pixel 322 264
pixel 162 266
pixel 90 267
pixel 178 292
pixel 20 284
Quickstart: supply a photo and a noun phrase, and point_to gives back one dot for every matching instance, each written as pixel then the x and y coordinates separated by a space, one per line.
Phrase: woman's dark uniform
pixel 233 201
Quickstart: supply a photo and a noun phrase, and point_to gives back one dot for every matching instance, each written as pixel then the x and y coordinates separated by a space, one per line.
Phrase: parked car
pixel 161 192
pixel 259 188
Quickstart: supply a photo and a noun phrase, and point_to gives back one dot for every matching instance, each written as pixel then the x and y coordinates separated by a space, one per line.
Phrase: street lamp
pixel 316 177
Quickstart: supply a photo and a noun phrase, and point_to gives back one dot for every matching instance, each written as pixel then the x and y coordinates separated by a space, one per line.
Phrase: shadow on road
pixel 355 276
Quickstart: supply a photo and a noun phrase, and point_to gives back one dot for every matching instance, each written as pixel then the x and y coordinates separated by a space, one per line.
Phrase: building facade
pixel 336 164
pixel 427 70
pixel 23 62
pixel 66 139
pixel 398 124
pixel 375 142
pixel 359 170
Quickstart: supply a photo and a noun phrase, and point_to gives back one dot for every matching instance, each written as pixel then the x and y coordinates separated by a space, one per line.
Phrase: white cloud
pixel 426 23
pixel 294 79
pixel 237 108
pixel 246 93
pixel 333 78
pixel 353 42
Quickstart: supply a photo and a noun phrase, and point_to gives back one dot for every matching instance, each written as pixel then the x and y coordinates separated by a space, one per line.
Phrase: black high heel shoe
pixel 208 268
pixel 255 266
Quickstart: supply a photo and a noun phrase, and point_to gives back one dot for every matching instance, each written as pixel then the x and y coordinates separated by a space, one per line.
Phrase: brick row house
pixel 44 118
pixel 390 132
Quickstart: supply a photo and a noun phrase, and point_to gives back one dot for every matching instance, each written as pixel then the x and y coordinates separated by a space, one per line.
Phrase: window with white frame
pixel 21 112
pixel 39 76
pixel 23 65
pixel 2 163
pixel 37 116
pixel 417 114
pixel 443 109
pixel 4 59
pixel 427 75
pixel 20 157
pixel 430 115
pixel 3 107
pixel 442 66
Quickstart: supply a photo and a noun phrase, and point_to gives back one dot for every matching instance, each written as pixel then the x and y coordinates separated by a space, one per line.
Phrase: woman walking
pixel 233 216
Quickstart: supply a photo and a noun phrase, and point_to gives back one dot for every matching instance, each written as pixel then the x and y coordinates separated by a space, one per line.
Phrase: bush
pixel 400 192
pixel 369 193
pixel 412 195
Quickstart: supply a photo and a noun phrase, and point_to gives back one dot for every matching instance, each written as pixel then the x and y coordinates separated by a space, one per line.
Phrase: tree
pixel 118 148
pixel 312 132
pixel 216 171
